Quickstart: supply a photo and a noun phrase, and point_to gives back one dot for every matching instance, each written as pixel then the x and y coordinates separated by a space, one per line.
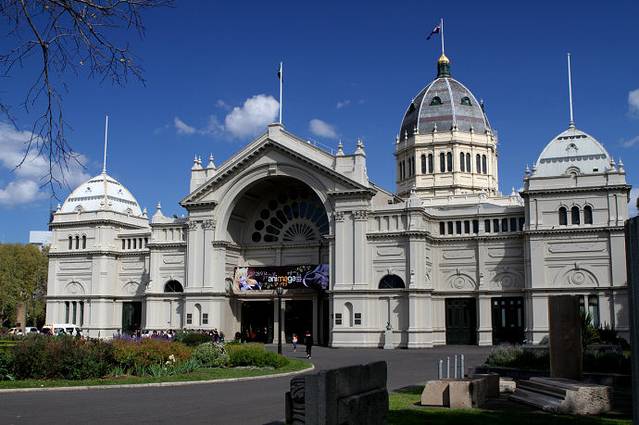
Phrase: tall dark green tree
pixel 23 279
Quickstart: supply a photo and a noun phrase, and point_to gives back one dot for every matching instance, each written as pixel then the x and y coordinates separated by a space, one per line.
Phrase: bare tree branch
pixel 66 36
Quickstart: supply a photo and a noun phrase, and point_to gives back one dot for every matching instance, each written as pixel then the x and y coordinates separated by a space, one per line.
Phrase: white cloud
pixel 630 142
pixel 322 129
pixel 252 117
pixel 247 120
pixel 633 102
pixel 182 127
pixel 31 174
pixel 342 103
pixel 632 205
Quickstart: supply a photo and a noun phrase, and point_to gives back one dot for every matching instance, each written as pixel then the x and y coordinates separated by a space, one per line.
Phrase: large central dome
pixel 443 104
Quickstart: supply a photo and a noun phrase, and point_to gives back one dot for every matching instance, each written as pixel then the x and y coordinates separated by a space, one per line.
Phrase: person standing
pixel 294 341
pixel 308 341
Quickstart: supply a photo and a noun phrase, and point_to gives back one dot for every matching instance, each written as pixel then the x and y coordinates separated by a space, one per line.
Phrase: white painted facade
pixel 468 256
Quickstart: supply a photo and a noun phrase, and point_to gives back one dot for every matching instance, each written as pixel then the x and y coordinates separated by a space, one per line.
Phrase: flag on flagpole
pixel 435 30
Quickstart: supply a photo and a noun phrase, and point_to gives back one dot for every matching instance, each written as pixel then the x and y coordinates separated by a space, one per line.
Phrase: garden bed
pixel 40 361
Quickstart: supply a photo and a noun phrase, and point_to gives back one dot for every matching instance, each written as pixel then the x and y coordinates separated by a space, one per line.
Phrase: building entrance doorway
pixel 298 318
pixel 461 321
pixel 508 320
pixel 131 317
pixel 257 321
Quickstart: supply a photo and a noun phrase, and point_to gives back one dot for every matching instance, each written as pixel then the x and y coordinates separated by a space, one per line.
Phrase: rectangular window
pixel 75 311
pixel 67 311
pixel 496 225
pixel 487 226
pixel 522 220
pixel 123 244
pixel 593 309
pixel 513 224
pixel 338 318
pixel 442 228
pixel 475 226
pixel 504 224
pixel 458 227
pixel 358 318
pixel 466 226
pixel 450 227
pixel 205 318
pixel 128 243
pixel 189 318
pixel 81 313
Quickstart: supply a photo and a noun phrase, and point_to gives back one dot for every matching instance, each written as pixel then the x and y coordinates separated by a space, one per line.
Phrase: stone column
pixel 193 255
pixel 208 262
pixel 484 313
pixel 343 250
pixel 217 265
pixel 360 225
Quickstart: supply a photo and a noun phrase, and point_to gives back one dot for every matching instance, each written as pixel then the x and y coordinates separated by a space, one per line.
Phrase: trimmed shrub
pixel 254 355
pixel 192 339
pixel 61 358
pixel 519 357
pixel 6 365
pixel 137 357
pixel 210 355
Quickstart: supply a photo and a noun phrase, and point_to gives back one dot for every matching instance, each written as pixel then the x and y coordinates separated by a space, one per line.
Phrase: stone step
pixel 541 401
pixel 565 384
pixel 543 388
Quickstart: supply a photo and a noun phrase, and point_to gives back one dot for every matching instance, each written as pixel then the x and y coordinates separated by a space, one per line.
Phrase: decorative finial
pixel 144 212
pixel 620 167
pixel 360 147
pixel 340 149
pixel 415 130
pixel 572 119
pixel 443 66
pixel 211 164
pixel 435 128
pixel 405 134
pixel 397 139
pixel 158 206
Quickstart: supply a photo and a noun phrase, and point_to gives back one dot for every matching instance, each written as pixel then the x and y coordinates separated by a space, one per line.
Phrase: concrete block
pixel 507 385
pixel 491 381
pixel 436 393
pixel 467 393
pixel 369 408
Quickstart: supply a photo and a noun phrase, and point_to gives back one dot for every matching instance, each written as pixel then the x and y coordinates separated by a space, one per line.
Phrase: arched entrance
pixel 277 229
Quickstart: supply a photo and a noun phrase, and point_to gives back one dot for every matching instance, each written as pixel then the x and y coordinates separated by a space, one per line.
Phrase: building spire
pixel 443 64
pixel 280 76
pixel 106 140
pixel 572 119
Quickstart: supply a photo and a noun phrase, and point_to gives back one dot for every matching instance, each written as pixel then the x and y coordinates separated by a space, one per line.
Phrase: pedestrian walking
pixel 294 341
pixel 308 341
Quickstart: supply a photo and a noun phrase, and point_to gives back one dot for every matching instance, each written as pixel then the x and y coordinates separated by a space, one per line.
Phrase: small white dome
pixel 572 151
pixel 89 196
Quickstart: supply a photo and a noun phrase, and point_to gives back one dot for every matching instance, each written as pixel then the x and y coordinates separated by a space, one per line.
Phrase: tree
pixel 23 279
pixel 62 37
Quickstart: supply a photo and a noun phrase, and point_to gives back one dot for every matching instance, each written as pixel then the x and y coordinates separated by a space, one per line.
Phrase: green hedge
pixel 211 355
pixel 192 339
pixel 254 355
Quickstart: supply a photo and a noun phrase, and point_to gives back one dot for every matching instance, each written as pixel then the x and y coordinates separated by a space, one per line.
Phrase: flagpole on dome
pixel 280 76
pixel 106 139
pixel 572 119
pixel 441 26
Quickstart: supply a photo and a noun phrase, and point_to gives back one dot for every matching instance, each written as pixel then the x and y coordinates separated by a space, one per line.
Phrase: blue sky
pixel 354 66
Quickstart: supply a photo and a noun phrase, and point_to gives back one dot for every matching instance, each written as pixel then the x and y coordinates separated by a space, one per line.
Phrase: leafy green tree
pixel 23 279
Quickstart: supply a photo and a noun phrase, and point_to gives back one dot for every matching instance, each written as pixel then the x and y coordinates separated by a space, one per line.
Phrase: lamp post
pixel 279 290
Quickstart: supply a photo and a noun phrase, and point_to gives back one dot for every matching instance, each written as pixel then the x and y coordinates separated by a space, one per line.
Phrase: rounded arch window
pixel 574 215
pixel 291 215
pixel 587 214
pixel 563 216
pixel 391 281
pixel 173 286
pixel 436 101
pixel 466 101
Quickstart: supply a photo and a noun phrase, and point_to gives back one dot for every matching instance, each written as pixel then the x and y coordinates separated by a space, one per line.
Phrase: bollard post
pixel 448 367
pixel 462 367
pixel 440 371
pixel 455 370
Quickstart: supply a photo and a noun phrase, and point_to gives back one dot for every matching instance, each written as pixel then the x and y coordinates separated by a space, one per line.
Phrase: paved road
pixel 247 403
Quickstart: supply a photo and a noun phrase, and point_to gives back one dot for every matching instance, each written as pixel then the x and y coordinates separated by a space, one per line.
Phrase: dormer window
pixel 466 101
pixel 436 101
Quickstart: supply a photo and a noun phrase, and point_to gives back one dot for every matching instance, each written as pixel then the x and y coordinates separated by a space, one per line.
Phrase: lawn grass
pixel 404 410
pixel 203 374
